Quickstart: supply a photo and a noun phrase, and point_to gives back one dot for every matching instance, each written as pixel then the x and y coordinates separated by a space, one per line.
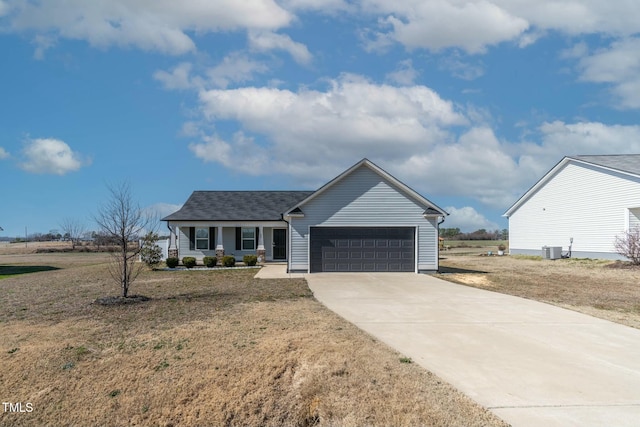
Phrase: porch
pixel 266 240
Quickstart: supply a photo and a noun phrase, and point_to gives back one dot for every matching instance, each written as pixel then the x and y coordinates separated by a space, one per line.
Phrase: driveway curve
pixel 530 363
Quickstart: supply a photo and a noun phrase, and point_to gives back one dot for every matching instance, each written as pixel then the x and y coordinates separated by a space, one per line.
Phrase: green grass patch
pixel 15 270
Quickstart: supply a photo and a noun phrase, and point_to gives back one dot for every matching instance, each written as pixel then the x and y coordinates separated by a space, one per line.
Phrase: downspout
pixel 288 241
pixel 438 229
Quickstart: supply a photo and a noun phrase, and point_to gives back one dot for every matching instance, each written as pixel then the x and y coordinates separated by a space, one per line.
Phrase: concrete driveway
pixel 532 364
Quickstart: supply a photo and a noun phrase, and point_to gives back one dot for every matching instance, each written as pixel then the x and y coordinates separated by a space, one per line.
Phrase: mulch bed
pixel 119 300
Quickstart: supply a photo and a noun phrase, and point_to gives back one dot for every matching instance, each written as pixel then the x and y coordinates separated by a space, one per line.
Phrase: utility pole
pixel 26 239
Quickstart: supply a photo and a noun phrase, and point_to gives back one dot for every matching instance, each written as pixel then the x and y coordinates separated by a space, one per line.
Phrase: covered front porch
pixel 265 239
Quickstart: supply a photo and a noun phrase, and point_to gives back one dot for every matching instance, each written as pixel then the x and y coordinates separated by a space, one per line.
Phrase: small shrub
pixel 189 261
pixel 628 245
pixel 150 252
pixel 250 260
pixel 229 261
pixel 172 262
pixel 501 247
pixel 210 261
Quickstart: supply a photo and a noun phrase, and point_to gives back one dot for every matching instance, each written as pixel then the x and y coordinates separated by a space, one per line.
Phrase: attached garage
pixel 364 220
pixel 345 249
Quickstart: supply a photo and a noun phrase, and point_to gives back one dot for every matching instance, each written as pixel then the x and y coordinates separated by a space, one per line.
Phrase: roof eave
pixel 536 186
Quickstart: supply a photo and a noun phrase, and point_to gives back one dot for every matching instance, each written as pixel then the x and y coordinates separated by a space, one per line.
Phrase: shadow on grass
pixel 14 270
pixel 456 270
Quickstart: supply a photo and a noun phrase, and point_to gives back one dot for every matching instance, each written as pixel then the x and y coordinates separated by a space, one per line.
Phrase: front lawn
pixel 605 289
pixel 209 348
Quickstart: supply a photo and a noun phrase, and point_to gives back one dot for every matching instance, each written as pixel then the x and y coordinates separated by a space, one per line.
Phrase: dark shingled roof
pixel 237 205
pixel 623 162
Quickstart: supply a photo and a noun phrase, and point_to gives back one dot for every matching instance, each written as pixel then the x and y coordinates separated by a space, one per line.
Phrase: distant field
pixel 472 247
pixel 209 348
pixel 475 243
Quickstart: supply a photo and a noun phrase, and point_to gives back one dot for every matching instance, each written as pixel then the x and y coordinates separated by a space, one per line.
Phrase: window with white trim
pixel 202 238
pixel 248 239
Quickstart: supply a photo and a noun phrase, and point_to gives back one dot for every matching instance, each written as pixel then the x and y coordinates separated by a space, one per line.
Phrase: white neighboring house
pixel 590 199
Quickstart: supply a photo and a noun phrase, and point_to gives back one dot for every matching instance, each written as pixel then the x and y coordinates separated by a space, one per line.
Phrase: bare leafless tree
pixel 122 219
pixel 628 245
pixel 74 228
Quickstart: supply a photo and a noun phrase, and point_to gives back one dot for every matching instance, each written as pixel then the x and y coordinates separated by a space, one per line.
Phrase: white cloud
pixel 160 210
pixel 242 154
pixel 235 68
pixel 589 138
pixel 264 41
pixel 324 6
pixel 440 24
pixel 158 25
pixel 311 135
pixel 467 219
pixel 348 121
pixel 178 78
pixel 465 70
pixel 618 65
pixel 50 156
pixel 42 43
pixel 405 74
pixel 3 153
pixel 475 25
pixel 477 165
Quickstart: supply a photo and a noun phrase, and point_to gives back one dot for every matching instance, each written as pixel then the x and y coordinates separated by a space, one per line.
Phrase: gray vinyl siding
pixel 183 246
pixel 228 240
pixel 588 203
pixel 363 198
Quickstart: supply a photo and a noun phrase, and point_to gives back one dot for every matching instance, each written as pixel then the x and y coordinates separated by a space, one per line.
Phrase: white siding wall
pixel 363 198
pixel 634 218
pixel 580 201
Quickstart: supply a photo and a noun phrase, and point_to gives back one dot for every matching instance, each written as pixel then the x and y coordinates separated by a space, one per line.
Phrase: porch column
pixel 261 251
pixel 219 245
pixel 172 252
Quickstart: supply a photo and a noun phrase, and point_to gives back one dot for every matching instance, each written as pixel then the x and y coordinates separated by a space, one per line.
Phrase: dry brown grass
pixel 210 348
pixel 589 286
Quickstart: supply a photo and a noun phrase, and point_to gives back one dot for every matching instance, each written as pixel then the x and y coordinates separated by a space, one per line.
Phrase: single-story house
pixel 583 201
pixel 362 220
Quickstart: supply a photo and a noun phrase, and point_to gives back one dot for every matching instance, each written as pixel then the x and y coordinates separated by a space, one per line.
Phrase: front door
pixel 279 243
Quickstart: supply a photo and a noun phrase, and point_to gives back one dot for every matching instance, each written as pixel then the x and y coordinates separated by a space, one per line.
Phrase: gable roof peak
pixel 383 174
pixel 628 164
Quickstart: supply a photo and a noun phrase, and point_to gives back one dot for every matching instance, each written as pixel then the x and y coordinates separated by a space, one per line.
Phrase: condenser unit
pixel 552 252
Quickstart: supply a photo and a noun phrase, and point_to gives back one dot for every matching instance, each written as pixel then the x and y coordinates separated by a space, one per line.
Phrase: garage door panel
pixel 362 248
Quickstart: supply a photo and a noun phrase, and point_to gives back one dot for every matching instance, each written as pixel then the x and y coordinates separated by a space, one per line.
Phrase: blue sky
pixel 468 102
